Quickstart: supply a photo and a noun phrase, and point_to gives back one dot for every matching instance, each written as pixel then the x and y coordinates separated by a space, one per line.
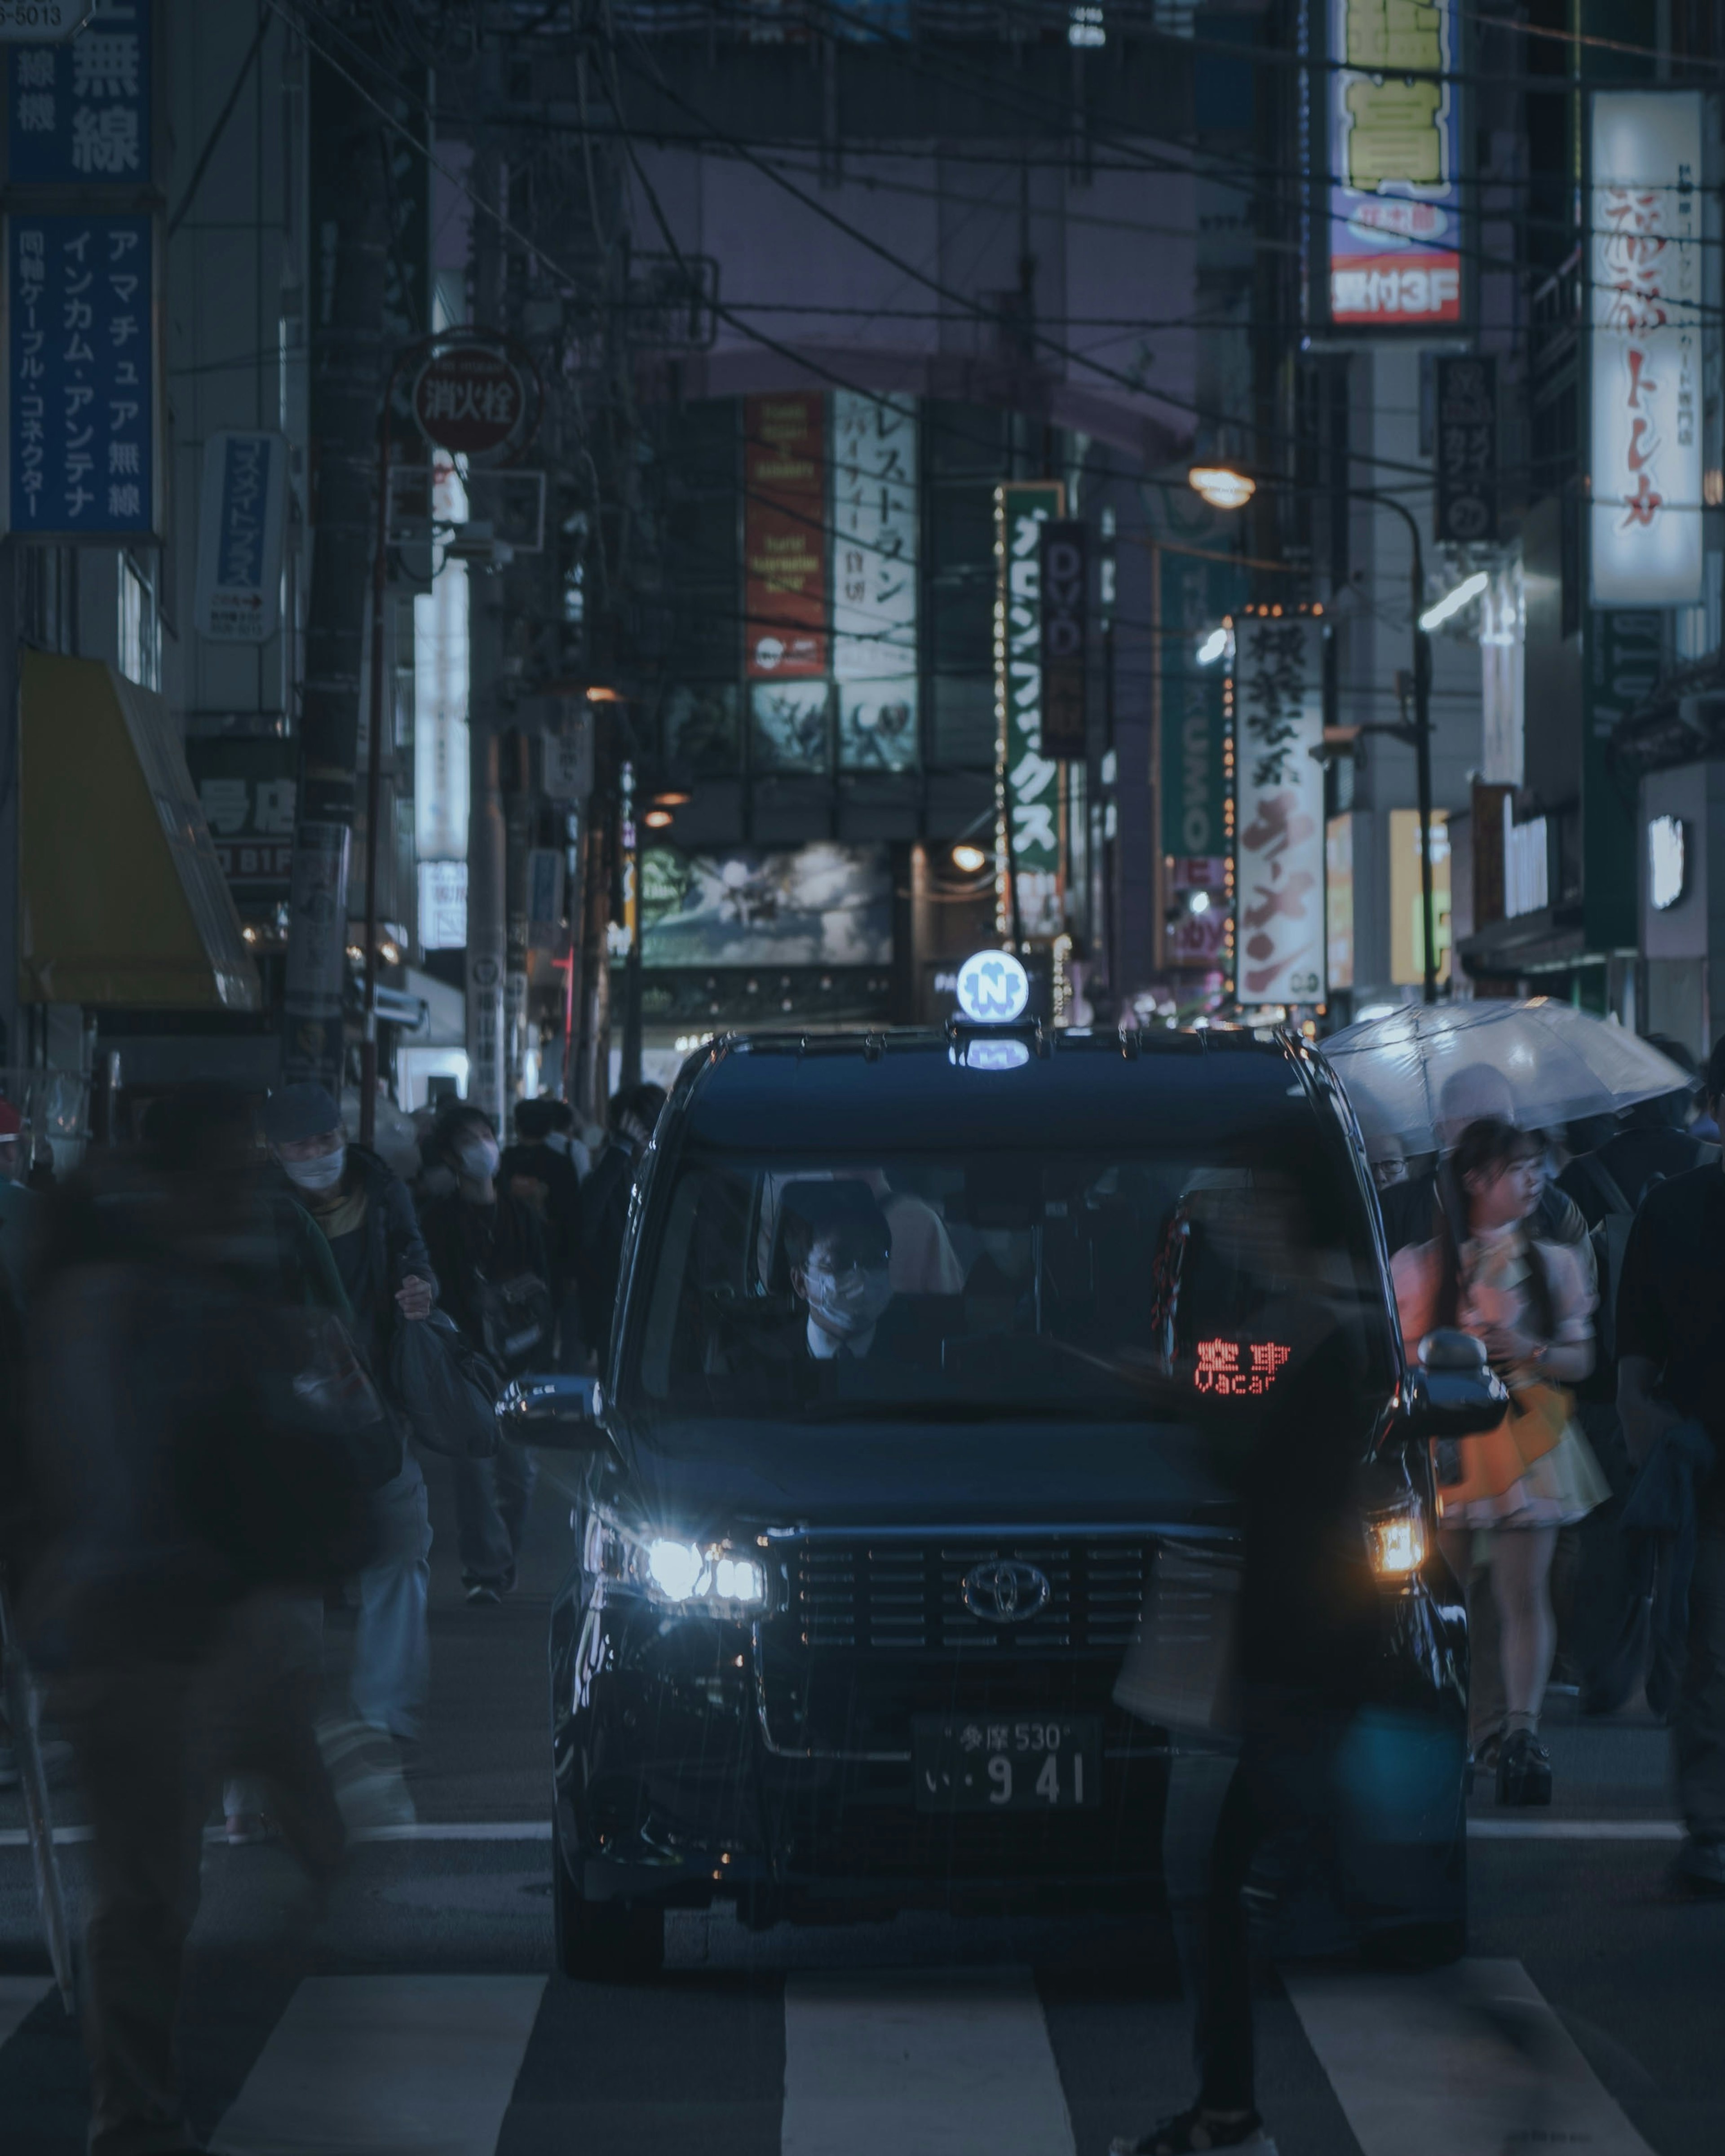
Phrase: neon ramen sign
pixel 1239 1367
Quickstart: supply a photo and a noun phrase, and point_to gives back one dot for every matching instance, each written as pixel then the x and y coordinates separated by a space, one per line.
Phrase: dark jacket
pixel 468 1241
pixel 604 1222
pixel 545 1181
pixel 392 1249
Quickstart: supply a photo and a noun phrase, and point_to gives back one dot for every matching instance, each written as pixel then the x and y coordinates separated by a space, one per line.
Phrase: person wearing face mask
pixel 489 1252
pixel 838 1247
pixel 368 1219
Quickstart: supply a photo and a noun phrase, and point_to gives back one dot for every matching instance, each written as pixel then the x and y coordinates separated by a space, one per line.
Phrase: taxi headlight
pixel 1396 1542
pixel 683 1575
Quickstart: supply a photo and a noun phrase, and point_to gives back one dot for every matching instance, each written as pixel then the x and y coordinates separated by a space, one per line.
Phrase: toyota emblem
pixel 1005 1591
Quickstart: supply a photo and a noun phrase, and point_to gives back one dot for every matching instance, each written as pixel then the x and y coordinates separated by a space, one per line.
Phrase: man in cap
pixel 368 1219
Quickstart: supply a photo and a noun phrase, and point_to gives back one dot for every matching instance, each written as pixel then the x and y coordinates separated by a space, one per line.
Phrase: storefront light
pixel 1221 486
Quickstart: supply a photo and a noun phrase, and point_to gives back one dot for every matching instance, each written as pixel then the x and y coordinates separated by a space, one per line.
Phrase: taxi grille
pixel 908 1597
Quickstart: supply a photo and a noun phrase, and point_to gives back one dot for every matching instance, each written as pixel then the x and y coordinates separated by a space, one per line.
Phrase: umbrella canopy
pixel 1416 1078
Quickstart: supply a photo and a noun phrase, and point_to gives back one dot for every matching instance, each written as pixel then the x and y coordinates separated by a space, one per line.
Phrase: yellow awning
pixel 122 900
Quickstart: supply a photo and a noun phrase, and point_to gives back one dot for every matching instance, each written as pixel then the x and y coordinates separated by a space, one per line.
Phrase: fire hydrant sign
pixel 471 401
pixel 1643 511
pixel 240 538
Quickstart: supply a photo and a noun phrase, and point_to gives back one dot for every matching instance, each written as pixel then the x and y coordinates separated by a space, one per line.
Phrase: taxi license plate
pixel 1037 1762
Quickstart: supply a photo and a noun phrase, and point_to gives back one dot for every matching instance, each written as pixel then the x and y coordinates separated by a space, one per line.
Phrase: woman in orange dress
pixel 1503 1496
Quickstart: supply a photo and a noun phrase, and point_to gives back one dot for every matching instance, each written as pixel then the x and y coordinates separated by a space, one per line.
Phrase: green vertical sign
pixel 1196 596
pixel 1028 782
pixel 1621 654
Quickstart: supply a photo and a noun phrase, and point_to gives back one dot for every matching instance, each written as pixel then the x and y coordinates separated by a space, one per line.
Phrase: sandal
pixel 1195 2131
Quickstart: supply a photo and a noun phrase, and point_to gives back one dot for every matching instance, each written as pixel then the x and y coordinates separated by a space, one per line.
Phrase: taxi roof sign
pixel 993 989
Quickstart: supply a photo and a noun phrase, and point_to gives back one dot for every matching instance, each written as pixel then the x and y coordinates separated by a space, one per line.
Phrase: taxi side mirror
pixel 556 1412
pixel 1453 1392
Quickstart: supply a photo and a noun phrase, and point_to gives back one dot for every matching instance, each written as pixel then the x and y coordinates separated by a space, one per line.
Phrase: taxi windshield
pixel 1028 1283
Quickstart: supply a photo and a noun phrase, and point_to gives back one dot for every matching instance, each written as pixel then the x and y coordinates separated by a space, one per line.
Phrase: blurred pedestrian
pixel 544 1169
pixel 1671 1390
pixel 1255 1747
pixel 201 1437
pixel 488 1256
pixel 604 1199
pixel 368 1219
pixel 1503 1496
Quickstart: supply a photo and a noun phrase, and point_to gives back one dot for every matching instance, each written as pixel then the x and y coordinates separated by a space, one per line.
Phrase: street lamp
pixel 1224 488
pixel 1221 486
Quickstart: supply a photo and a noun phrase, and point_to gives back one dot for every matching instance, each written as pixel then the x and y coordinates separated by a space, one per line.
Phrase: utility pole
pixel 349 345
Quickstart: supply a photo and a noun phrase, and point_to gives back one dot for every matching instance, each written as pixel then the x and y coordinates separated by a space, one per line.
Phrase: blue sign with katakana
pixel 78 114
pixel 80 434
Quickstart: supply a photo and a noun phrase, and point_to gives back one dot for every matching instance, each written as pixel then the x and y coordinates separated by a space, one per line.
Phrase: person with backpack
pixel 488 1251
pixel 1503 1496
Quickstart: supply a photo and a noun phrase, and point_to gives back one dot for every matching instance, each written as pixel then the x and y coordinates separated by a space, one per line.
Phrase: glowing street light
pixel 1220 486
pixel 1212 647
pixel 970 860
pixel 1452 602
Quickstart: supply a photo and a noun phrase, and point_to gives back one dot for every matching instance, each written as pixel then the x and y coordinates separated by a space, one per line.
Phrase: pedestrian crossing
pixel 1471 2061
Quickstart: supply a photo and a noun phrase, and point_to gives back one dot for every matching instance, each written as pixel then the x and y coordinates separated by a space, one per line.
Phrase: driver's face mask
pixel 846 1297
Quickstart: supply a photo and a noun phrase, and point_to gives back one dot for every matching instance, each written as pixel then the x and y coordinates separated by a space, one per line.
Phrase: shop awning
pixel 122 900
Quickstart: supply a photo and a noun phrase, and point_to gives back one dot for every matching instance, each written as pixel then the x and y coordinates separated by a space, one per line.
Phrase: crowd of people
pixel 226 1345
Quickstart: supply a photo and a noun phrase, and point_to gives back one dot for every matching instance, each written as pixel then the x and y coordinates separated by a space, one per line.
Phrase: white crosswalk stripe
pixel 1465 2062
pixel 386 2066
pixel 920 2067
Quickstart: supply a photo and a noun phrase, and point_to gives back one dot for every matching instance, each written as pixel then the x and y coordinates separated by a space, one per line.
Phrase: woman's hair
pixel 1486 1148
pixel 1489 1146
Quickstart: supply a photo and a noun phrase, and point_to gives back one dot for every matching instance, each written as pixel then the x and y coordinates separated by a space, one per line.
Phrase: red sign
pixel 784 535
pixel 470 400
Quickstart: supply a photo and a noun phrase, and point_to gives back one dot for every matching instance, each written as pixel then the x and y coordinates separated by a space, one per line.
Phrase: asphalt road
pixel 416 2013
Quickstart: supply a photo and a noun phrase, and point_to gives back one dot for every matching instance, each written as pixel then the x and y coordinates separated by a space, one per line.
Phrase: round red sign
pixel 470 400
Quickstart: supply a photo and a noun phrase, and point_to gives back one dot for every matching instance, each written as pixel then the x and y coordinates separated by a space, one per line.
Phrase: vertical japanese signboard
pixel 239 596
pixel 1467 460
pixel 78 114
pixel 1197 597
pixel 1644 512
pixel 1392 183
pixel 874 493
pixel 784 537
pixel 1027 780
pixel 1279 811
pixel 1065 615
pixel 80 434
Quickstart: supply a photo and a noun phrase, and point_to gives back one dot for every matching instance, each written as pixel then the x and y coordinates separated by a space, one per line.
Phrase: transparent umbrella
pixel 1540 1062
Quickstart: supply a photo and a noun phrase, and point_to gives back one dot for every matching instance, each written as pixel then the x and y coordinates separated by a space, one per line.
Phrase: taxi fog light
pixel 1396 1540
